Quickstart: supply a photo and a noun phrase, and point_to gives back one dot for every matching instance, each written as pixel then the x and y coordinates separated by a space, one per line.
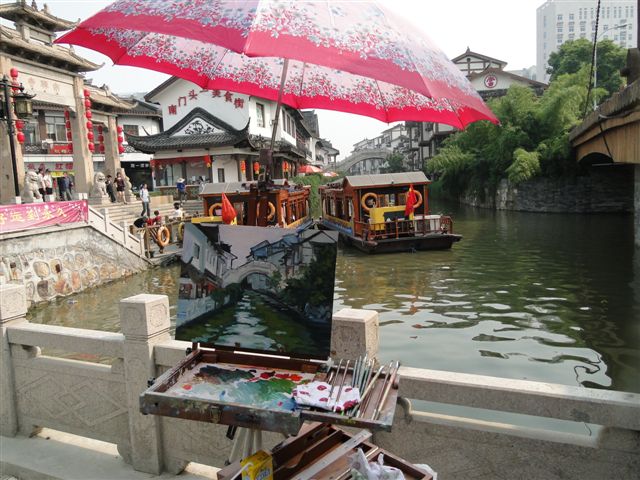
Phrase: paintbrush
pixel 344 377
pixel 387 389
pixel 334 377
pixel 364 400
pixel 384 382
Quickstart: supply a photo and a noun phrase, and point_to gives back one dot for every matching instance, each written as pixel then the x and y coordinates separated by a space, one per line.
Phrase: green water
pixel 552 298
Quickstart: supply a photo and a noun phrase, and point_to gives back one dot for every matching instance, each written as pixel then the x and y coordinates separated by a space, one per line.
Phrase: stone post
pixel 111 154
pixel 354 333
pixel 82 157
pixel 144 322
pixel 13 308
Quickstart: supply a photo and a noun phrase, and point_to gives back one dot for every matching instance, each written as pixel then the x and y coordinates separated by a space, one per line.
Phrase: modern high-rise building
pixel 559 21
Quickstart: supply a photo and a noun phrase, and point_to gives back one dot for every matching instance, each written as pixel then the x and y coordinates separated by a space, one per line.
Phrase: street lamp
pixel 595 61
pixel 23 108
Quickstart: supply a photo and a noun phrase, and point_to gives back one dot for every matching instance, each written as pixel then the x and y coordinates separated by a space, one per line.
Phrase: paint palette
pixel 256 304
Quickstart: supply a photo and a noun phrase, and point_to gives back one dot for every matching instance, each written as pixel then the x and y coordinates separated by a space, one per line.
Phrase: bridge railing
pixel 94 392
pixel 119 233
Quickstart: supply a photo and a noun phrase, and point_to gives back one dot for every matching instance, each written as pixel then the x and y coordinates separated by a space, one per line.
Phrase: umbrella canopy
pixel 349 56
pixel 309 169
pixel 330 174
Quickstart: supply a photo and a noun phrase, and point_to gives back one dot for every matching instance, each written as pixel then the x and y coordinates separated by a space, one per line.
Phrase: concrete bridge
pixel 364 162
pixel 99 402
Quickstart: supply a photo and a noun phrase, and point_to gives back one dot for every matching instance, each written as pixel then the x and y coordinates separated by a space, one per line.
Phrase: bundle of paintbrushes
pixel 371 383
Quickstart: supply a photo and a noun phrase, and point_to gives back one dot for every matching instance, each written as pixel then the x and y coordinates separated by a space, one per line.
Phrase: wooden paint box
pixel 324 451
pixel 175 394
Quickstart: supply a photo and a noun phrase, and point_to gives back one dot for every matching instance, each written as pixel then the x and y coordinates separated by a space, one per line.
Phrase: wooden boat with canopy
pixel 286 205
pixel 369 212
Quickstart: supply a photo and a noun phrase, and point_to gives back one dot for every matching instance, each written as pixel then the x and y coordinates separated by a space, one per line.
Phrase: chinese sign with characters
pixel 192 98
pixel 34 215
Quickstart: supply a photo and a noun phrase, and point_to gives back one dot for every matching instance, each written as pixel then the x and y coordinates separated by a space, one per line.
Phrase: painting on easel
pixel 257 289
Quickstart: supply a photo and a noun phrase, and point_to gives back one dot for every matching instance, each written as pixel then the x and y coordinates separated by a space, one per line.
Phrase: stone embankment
pixel 605 190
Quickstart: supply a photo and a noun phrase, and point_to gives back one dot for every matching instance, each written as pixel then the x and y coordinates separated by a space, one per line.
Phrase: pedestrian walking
pixel 41 188
pixel 110 192
pixel 120 187
pixel 47 180
pixel 64 185
pixel 144 197
pixel 182 190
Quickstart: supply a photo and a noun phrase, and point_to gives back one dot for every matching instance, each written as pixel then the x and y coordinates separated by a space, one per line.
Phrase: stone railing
pixel 101 401
pixel 118 233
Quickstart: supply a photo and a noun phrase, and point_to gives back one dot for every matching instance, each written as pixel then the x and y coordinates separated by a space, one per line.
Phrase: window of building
pixel 560 39
pixel 289 125
pixel 56 130
pixel 560 29
pixel 31 133
pixel 570 27
pixel 196 251
pixel 571 17
pixel 583 26
pixel 221 175
pixel 572 36
pixel 583 35
pixel 131 129
pixel 560 17
pixel 260 115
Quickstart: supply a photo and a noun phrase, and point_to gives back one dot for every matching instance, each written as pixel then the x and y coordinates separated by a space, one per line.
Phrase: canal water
pixel 546 297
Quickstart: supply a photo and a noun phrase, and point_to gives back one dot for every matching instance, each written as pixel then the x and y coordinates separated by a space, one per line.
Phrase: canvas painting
pixel 257 289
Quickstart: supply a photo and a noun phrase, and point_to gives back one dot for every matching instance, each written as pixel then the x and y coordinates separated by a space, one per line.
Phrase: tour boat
pixel 286 205
pixel 370 212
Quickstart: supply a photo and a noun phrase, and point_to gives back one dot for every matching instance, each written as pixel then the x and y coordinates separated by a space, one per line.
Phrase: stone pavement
pixel 54 455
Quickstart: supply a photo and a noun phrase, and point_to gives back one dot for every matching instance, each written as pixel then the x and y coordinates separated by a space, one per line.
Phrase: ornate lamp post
pixel 22 108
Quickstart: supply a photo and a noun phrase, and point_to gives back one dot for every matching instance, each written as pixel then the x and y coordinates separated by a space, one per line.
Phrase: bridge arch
pixel 364 161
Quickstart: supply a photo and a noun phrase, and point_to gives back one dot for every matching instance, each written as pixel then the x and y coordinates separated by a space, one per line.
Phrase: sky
pixel 502 29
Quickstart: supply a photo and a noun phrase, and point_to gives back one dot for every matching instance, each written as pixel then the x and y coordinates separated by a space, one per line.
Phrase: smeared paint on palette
pixel 247 385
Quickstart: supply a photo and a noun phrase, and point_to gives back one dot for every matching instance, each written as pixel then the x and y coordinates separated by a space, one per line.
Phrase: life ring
pixel 163 236
pixel 181 231
pixel 212 209
pixel 272 211
pixel 365 197
pixel 419 199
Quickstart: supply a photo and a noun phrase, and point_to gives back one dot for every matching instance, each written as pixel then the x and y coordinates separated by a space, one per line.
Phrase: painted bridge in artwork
pixel 101 402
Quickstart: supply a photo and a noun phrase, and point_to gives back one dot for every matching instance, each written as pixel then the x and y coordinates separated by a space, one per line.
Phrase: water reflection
pixel 532 296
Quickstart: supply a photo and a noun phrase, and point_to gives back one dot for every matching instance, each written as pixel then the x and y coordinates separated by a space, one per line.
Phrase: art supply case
pixel 240 371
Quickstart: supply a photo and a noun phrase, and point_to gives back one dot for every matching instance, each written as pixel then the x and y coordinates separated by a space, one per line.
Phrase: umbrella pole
pixel 283 78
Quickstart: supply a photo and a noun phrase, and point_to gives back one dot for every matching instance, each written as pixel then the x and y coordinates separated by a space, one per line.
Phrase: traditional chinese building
pixel 490 79
pixel 74 126
pixel 216 135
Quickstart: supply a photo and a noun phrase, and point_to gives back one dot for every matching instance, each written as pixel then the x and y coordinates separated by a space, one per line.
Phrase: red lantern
pixel 119 129
pixel 100 129
pixel 285 166
pixel 20 137
pixel 14 73
pixel 101 148
pixel 89 126
pixel 256 168
pixel 88 114
pixel 91 146
pixel 100 137
pixel 243 167
pixel 70 147
pixel 90 136
pixel 120 139
pixel 120 148
pixel 86 93
pixel 66 115
pixel 87 103
pixel 19 124
pixel 67 125
pixel 69 136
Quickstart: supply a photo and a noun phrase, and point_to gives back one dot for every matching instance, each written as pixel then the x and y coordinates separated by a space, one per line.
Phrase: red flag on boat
pixel 411 201
pixel 228 212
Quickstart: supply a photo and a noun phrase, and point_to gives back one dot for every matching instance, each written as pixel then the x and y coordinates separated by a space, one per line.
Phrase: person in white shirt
pixel 144 197
pixel 177 212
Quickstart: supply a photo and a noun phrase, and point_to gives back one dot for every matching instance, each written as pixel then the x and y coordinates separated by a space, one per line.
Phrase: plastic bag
pixel 362 469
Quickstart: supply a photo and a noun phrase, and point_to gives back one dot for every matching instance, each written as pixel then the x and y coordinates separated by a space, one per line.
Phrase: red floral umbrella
pixel 349 56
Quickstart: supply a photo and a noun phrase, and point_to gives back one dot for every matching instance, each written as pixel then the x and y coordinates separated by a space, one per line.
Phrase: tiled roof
pixel 167 140
pixel 42 18
pixel 387 179
pixel 54 55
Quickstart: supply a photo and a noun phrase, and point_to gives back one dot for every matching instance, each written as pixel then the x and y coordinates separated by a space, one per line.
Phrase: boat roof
pixel 386 179
pixel 237 187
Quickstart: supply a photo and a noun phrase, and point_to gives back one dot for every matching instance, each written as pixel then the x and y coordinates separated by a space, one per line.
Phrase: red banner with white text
pixel 34 215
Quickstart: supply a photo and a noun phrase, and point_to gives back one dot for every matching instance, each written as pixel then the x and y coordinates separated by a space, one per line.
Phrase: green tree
pixel 572 56
pixel 395 164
